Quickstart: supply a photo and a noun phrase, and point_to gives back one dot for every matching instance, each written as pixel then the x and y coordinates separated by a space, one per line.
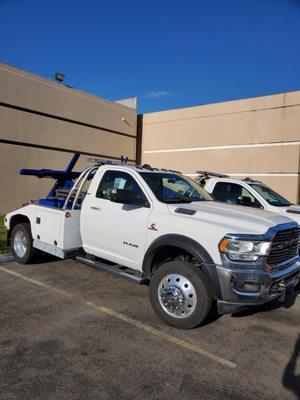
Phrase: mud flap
pixel 290 296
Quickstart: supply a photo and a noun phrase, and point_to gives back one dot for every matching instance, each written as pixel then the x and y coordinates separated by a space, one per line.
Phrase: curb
pixel 6 258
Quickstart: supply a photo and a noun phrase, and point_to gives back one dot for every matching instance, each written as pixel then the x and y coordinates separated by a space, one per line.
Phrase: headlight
pixel 244 250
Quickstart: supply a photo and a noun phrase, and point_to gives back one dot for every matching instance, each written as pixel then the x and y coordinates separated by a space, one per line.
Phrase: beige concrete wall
pixel 37 112
pixel 30 91
pixel 33 129
pixel 259 137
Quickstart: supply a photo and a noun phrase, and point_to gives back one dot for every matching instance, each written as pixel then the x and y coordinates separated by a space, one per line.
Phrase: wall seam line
pixel 225 147
pixel 63 150
pixel 218 114
pixel 64 119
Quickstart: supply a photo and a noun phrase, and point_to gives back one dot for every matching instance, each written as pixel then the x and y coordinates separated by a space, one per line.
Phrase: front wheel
pixel 22 244
pixel 180 295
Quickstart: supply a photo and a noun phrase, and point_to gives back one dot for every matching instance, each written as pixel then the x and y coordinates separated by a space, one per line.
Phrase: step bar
pixel 113 269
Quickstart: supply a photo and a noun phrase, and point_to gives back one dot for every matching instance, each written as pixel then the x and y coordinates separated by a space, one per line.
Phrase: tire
pixel 180 295
pixel 22 244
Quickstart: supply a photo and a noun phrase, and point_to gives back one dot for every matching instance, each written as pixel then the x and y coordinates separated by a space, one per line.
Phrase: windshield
pixel 171 188
pixel 273 198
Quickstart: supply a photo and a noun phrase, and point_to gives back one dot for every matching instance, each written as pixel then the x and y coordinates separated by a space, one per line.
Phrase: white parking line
pixel 122 317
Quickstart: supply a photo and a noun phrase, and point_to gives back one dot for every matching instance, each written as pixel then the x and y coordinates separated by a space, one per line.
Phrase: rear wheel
pixel 180 295
pixel 22 244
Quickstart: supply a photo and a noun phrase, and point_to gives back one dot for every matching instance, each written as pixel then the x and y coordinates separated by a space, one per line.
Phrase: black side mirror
pixel 124 196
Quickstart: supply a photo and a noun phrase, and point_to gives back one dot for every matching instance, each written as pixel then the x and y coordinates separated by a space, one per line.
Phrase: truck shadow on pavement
pixel 290 380
pixel 272 305
pixel 44 258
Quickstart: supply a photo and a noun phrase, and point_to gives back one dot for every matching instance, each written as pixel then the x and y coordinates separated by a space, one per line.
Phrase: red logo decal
pixel 152 228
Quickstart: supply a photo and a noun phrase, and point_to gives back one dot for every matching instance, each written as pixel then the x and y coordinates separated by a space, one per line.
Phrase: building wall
pixel 257 137
pixel 42 122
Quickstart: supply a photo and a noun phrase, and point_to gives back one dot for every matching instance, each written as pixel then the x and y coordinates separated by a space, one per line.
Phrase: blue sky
pixel 170 54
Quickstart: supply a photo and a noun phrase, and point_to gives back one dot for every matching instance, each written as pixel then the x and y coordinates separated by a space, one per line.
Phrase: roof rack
pixel 124 161
pixel 248 179
pixel 208 174
pixel 103 161
pixel 147 166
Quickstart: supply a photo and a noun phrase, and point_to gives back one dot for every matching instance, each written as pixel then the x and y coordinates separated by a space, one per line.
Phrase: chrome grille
pixel 285 245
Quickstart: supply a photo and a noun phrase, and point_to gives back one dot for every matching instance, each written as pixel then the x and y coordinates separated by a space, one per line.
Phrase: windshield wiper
pixel 177 200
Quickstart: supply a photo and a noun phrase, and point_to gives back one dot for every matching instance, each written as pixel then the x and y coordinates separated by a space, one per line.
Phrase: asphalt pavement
pixel 68 331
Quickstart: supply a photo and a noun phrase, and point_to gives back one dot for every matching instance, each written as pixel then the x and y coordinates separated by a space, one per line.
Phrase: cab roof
pixel 123 163
pixel 214 176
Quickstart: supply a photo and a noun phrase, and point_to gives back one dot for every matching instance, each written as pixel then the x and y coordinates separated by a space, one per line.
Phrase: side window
pixel 249 200
pixel 113 180
pixel 233 193
pixel 175 186
pixel 227 192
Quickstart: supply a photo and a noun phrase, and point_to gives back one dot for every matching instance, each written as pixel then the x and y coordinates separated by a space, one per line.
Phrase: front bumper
pixel 242 287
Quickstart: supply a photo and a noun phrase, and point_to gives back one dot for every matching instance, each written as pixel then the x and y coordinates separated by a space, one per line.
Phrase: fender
pixel 191 246
pixel 14 220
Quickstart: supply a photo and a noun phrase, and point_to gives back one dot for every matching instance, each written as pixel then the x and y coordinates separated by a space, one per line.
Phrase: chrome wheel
pixel 20 243
pixel 177 296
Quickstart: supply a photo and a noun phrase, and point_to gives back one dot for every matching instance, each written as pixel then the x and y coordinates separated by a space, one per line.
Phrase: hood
pixel 292 212
pixel 235 219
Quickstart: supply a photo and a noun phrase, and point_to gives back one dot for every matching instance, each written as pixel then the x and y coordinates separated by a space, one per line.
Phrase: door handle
pixel 96 208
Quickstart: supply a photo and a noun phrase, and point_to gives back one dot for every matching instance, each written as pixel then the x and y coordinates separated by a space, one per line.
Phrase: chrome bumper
pixel 243 286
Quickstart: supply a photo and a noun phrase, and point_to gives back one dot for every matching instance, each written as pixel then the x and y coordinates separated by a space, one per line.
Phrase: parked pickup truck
pixel 159 227
pixel 246 192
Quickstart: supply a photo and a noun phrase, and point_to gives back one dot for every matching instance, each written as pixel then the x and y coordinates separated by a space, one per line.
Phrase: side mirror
pixel 124 196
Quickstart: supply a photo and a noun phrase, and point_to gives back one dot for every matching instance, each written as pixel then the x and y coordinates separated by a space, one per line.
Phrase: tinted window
pixel 233 193
pixel 172 188
pixel 113 180
pixel 273 198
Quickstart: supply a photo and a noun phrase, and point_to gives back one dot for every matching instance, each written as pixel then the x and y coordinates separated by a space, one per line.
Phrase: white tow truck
pixel 246 192
pixel 159 227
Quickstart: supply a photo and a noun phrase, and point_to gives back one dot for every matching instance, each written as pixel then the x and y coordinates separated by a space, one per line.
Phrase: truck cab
pixel 159 227
pixel 247 192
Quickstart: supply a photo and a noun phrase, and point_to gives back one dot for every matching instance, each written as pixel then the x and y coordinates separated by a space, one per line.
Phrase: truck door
pixel 116 231
pixel 234 193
